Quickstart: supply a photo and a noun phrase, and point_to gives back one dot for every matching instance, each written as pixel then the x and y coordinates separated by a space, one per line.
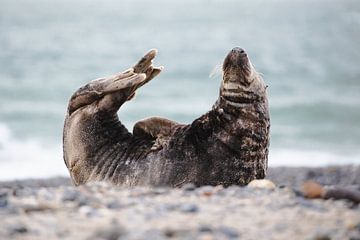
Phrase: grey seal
pixel 227 145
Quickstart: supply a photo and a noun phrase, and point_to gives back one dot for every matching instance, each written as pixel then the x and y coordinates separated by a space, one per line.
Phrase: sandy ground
pixel 53 209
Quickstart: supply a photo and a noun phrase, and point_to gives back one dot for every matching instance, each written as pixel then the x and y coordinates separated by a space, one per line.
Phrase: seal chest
pixel 227 145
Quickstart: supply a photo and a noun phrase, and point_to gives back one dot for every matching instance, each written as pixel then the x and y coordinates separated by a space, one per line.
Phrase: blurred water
pixel 308 52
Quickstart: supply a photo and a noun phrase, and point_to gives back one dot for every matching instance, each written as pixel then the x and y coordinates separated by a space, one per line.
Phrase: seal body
pixel 227 145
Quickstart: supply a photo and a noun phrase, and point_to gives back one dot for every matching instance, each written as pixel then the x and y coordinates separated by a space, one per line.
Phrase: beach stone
pixel 322 237
pixel 205 228
pixel 189 187
pixel 83 200
pixel 18 228
pixel 153 234
pixel 228 232
pixel 88 211
pixel 114 232
pixel 169 233
pixel 24 192
pixel 189 208
pixel 310 204
pixel 114 204
pixel 204 190
pixel 69 195
pixel 206 236
pixel 3 198
pixel 44 193
pixel 262 184
pixel 158 191
pixel 232 190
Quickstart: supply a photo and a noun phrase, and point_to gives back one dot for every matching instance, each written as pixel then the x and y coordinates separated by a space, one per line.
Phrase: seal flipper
pixel 157 128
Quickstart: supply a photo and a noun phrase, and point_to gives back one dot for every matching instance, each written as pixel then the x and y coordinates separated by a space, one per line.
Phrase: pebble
pixel 88 211
pixel 44 193
pixel 114 204
pixel 322 237
pixel 189 187
pixel 70 195
pixel 17 228
pixel 310 204
pixel 262 184
pixel 229 232
pixel 205 190
pixel 189 208
pixel 113 232
pixel 3 198
pixel 159 191
pixel 205 228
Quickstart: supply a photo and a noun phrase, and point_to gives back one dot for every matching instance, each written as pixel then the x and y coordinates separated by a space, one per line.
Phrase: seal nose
pixel 239 51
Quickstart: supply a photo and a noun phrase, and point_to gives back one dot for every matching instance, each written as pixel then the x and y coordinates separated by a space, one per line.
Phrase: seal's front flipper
pixel 112 91
pixel 159 129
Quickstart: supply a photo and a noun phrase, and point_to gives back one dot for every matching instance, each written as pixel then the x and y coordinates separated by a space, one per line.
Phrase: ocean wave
pixel 308 158
pixel 29 158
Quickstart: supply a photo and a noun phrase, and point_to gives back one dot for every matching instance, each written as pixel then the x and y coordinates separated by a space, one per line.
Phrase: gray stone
pixel 46 194
pixel 3 198
pixel 113 232
pixel 114 204
pixel 189 187
pixel 310 204
pixel 158 191
pixel 152 234
pixel 205 228
pixel 322 237
pixel 228 232
pixel 17 228
pixel 189 208
pixel 88 211
pixel 69 195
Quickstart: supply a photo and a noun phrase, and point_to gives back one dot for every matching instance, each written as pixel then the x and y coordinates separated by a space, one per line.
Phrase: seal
pixel 227 145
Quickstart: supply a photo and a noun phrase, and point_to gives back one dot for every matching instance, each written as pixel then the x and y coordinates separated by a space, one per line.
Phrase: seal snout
pixel 240 52
pixel 237 57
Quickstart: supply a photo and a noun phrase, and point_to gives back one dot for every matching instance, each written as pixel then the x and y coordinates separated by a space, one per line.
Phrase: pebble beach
pixel 54 209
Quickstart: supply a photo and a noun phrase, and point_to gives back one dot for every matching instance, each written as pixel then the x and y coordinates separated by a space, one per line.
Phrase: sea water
pixel 307 51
